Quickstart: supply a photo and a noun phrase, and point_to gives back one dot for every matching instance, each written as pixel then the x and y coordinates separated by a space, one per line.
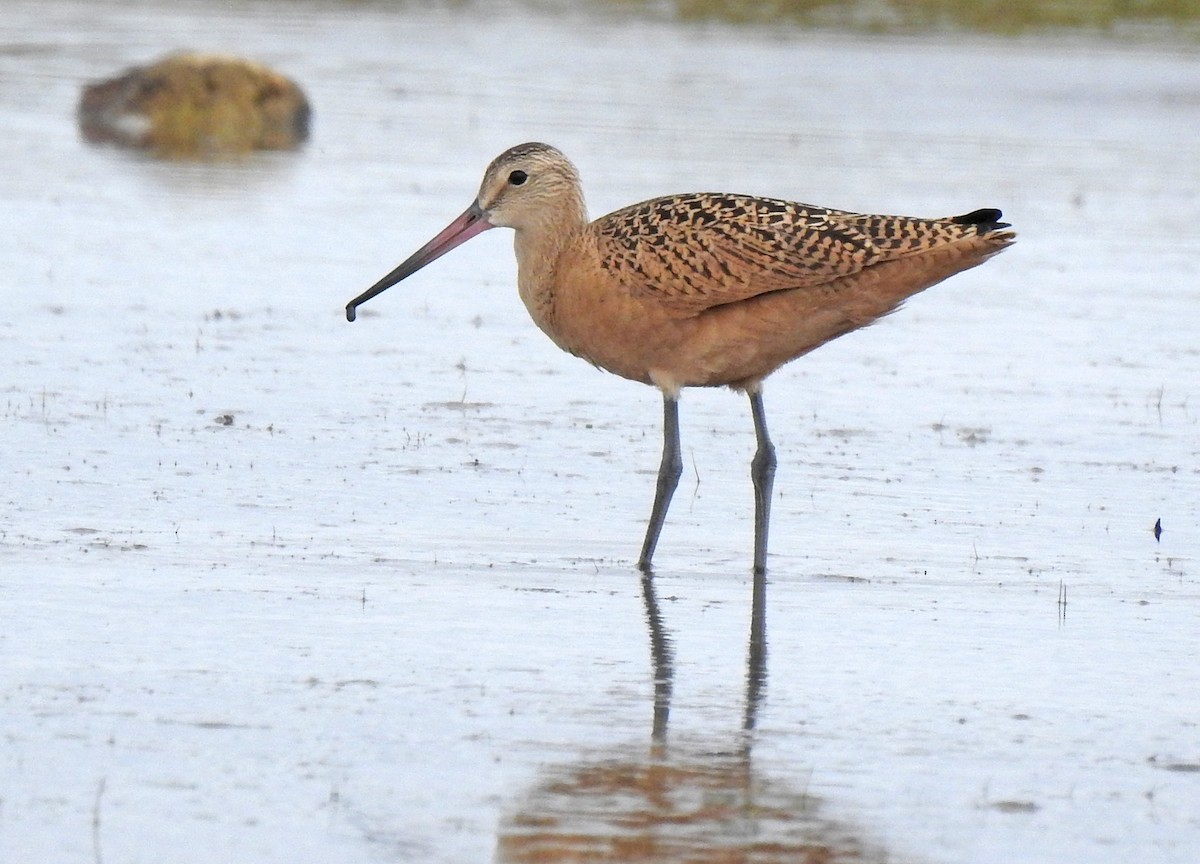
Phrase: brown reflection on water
pixel 678 802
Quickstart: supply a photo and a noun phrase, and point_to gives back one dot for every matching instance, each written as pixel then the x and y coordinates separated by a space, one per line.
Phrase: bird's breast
pixel 590 313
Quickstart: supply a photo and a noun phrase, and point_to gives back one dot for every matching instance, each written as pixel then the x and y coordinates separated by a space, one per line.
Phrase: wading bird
pixel 701 290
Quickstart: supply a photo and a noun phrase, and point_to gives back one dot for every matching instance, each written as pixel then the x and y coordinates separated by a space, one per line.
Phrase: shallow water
pixel 278 587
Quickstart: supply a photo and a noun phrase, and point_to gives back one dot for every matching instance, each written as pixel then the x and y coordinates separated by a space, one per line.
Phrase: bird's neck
pixel 539 246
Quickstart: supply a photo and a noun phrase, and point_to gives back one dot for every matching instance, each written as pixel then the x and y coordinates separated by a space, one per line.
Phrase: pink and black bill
pixel 473 221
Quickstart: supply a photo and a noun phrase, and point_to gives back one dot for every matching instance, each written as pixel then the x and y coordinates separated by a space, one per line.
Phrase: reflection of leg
pixel 660 655
pixel 762 472
pixel 668 478
pixel 756 664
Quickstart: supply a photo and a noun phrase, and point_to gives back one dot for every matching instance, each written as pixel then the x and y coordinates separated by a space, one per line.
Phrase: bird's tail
pixel 986 221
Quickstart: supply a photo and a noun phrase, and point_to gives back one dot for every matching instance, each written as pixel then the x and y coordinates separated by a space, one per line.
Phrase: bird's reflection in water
pixel 683 801
pixel 662 658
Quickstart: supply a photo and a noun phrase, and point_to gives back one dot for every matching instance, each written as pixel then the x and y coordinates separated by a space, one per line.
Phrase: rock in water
pixel 196 105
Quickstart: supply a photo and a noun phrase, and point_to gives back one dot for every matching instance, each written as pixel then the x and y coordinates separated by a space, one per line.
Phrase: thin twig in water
pixel 96 852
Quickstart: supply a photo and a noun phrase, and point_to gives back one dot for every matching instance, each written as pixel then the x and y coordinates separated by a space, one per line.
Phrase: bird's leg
pixel 762 472
pixel 668 478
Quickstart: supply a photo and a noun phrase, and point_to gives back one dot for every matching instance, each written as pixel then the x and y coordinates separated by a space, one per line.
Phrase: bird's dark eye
pixel 516 178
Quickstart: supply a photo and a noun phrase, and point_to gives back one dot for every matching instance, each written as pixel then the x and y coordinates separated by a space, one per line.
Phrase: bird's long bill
pixel 473 221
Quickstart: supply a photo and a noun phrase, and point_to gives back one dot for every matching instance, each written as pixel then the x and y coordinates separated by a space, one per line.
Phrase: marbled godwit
pixel 701 290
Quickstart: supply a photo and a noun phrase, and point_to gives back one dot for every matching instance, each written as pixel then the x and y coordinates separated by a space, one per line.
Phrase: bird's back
pixel 712 289
pixel 694 252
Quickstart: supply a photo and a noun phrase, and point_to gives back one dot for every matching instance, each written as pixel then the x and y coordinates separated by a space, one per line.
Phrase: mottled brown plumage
pixel 702 289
